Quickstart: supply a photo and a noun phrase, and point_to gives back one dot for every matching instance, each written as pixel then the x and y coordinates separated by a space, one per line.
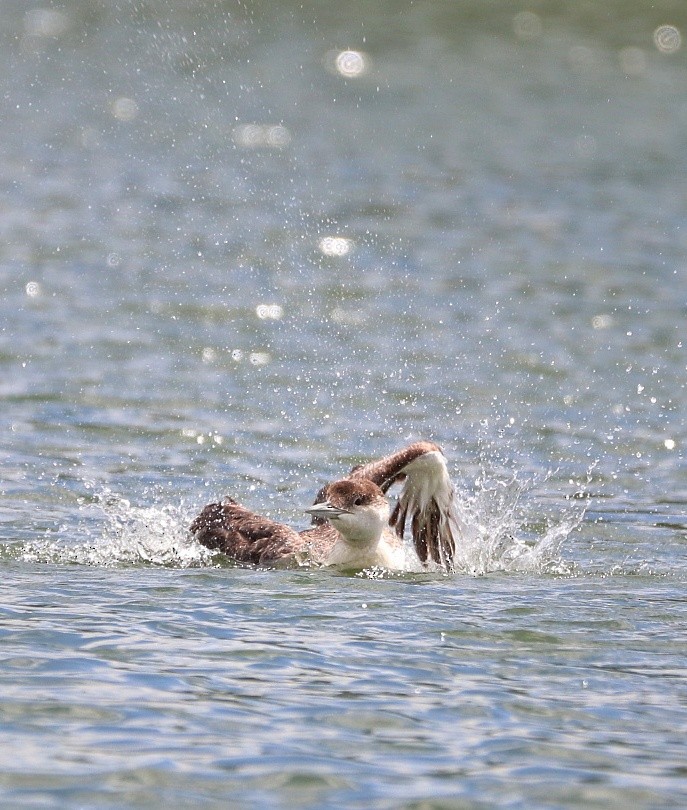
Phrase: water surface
pixel 244 247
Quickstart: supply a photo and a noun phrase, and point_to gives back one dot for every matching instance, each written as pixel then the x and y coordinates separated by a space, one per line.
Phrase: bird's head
pixel 357 509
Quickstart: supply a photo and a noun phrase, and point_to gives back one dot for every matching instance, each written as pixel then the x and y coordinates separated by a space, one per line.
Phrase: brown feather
pixel 246 537
pixel 387 471
pixel 251 538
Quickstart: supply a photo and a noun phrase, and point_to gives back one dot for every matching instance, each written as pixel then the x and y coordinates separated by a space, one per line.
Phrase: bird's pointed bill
pixel 325 509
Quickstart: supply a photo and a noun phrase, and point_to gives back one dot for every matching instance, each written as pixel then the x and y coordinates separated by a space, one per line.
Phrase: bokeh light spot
pixel 667 38
pixel 581 58
pixel 33 289
pixel 124 109
pixel 335 246
pixel 602 321
pixel 349 64
pixel 271 312
pixel 259 358
pixel 350 317
pixel 45 22
pixel 527 25
pixel 277 136
pixel 260 136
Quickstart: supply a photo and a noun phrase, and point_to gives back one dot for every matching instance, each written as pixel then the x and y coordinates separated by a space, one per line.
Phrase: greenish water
pixel 243 247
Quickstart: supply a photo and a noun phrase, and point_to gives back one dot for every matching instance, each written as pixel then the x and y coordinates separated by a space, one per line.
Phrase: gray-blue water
pixel 245 246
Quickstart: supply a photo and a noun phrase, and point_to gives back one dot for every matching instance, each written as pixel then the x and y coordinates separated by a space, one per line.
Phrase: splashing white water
pixel 502 528
pixel 125 535
pixel 498 528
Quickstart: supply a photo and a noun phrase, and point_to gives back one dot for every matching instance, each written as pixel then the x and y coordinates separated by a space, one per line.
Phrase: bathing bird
pixel 354 526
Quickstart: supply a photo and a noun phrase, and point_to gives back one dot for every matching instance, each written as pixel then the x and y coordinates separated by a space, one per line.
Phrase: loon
pixel 355 527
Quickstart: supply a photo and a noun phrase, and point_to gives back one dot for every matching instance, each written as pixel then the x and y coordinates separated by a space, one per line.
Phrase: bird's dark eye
pixel 358 501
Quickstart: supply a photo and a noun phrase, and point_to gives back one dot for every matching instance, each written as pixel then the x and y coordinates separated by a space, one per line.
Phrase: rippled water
pixel 243 247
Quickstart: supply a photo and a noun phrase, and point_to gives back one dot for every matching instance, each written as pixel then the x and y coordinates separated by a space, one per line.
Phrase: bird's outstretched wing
pixel 243 535
pixel 425 502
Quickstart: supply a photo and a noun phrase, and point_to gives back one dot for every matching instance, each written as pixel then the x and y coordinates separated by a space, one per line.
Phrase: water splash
pixel 503 527
pixel 121 534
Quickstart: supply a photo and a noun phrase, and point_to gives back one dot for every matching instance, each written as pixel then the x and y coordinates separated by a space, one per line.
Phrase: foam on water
pixel 499 526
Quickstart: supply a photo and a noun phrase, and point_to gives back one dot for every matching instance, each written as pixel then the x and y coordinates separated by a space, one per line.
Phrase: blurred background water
pixel 246 245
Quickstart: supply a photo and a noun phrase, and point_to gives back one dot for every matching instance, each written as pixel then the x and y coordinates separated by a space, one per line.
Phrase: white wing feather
pixel 426 501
